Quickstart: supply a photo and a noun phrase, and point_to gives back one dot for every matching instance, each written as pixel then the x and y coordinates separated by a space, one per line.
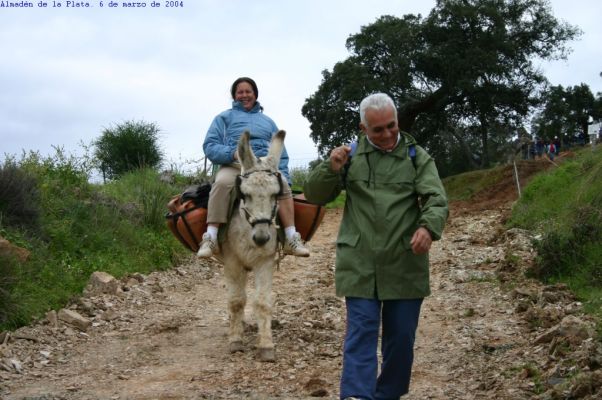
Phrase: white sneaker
pixel 295 247
pixel 208 247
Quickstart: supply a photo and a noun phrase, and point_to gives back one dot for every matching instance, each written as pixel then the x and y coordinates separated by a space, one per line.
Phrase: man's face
pixel 381 127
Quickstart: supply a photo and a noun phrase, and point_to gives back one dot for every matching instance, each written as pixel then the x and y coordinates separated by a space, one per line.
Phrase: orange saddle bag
pixel 187 216
pixel 308 216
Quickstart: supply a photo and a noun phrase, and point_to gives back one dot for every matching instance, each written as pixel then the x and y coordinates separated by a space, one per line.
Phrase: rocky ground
pixel 487 332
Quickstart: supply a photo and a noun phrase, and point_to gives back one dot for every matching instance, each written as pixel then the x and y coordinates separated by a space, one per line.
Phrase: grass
pixel 464 186
pixel 564 206
pixel 82 228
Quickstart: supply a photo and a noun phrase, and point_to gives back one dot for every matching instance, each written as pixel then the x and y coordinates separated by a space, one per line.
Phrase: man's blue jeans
pixel 360 376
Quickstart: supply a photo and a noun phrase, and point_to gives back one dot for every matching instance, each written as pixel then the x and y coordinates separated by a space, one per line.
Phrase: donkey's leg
pixel 263 310
pixel 236 279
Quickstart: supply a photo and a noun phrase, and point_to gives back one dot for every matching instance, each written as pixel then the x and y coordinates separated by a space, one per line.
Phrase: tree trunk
pixel 484 142
pixel 407 113
pixel 468 153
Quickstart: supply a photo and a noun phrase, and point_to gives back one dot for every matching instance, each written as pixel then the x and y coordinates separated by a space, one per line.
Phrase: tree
pixel 127 147
pixel 464 69
pixel 566 111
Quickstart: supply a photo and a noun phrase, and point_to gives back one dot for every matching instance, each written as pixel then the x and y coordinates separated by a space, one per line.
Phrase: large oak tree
pixel 462 74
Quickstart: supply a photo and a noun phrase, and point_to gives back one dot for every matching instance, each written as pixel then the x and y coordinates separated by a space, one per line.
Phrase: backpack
pixel 187 216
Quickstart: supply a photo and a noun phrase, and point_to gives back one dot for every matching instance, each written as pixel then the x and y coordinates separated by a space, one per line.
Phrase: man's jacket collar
pixel 400 151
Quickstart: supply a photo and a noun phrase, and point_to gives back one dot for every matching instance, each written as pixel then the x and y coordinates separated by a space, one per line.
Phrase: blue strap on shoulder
pixel 412 153
pixel 353 146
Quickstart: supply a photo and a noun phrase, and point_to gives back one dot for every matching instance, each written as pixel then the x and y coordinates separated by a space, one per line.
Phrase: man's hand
pixel 338 157
pixel 421 241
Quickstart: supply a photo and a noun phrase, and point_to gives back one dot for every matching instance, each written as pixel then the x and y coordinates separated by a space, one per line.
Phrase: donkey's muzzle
pixel 261 238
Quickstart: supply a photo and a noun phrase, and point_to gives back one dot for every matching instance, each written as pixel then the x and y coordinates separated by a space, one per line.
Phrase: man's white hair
pixel 376 101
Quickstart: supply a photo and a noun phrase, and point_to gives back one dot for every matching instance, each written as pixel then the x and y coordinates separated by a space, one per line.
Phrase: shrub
pixel 19 198
pixel 146 192
pixel 127 147
pixel 7 281
pixel 563 254
pixel 298 177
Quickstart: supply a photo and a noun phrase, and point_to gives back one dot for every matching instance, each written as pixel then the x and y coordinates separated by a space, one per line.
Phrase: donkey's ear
pixel 245 154
pixel 276 148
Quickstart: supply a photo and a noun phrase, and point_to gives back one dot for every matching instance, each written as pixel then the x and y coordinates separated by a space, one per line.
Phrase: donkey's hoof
pixel 236 346
pixel 267 355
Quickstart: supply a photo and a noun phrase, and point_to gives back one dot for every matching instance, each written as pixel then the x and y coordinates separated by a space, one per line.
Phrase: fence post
pixel 517 180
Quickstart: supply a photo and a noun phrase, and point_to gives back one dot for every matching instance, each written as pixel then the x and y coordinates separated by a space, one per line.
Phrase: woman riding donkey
pixel 220 148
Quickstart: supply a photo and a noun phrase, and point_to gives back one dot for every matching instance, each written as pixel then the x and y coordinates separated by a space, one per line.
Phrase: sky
pixel 67 73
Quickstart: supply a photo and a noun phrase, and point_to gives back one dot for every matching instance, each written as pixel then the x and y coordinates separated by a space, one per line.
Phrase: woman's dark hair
pixel 244 79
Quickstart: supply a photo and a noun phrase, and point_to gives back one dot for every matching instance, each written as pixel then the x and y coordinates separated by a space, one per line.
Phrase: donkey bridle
pixel 250 219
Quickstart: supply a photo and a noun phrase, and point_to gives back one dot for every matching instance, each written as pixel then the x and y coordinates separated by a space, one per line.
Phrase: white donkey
pixel 251 243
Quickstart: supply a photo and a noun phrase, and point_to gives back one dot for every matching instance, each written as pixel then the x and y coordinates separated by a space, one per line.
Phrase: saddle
pixel 187 216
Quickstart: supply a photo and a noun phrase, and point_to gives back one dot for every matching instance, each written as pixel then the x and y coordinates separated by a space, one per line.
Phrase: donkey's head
pixel 259 185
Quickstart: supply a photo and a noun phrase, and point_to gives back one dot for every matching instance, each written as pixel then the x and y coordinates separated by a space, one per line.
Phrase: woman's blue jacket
pixel 225 130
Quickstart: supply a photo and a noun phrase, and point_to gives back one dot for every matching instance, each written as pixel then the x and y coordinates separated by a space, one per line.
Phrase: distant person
pixel 395 207
pixel 539 147
pixel 551 150
pixel 557 144
pixel 220 146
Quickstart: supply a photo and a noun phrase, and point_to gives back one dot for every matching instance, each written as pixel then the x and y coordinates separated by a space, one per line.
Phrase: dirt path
pixel 165 338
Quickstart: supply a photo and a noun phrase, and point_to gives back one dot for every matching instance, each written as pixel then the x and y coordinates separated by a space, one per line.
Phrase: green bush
pixel 128 146
pixel 298 177
pixel 145 191
pixel 562 254
pixel 84 228
pixel 8 274
pixel 19 198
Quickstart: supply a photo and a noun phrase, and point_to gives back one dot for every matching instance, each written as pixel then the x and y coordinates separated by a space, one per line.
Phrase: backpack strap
pixel 353 146
pixel 412 154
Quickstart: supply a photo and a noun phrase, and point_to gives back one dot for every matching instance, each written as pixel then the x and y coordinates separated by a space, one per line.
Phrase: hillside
pixel 486 331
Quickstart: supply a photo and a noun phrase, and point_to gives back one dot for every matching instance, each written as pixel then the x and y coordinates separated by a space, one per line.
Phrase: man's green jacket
pixel 387 199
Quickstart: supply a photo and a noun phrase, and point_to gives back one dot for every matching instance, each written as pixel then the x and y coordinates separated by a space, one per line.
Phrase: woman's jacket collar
pixel 237 105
